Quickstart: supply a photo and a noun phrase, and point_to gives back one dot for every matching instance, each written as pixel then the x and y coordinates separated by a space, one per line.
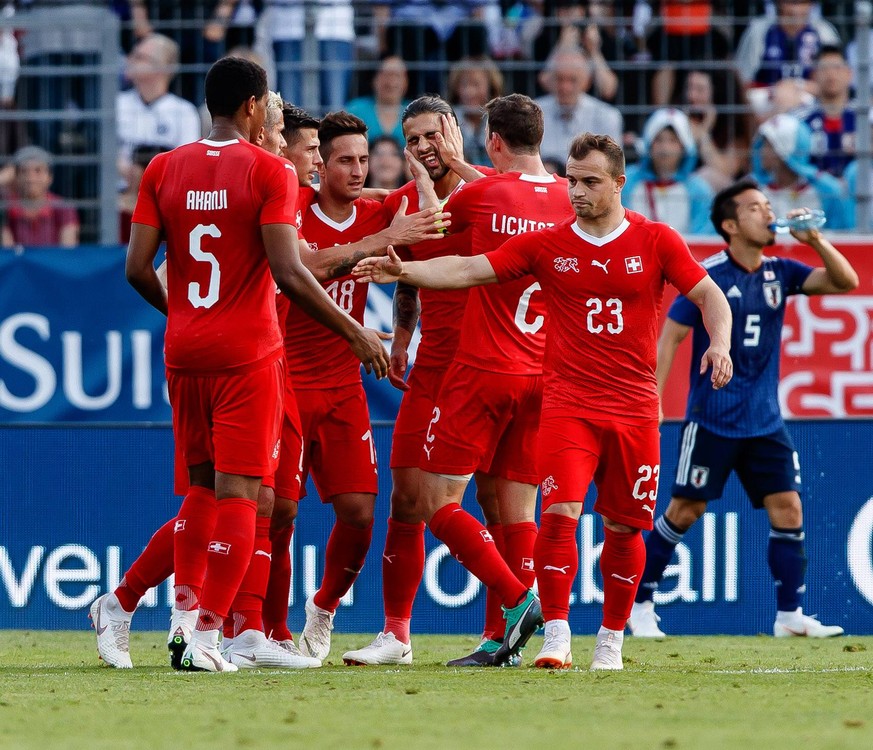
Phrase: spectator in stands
pixel 142 155
pixel 383 109
pixel 148 113
pixel 333 24
pixel 662 185
pixel 684 33
pixel 831 117
pixel 473 82
pixel 781 163
pixel 36 217
pixel 12 134
pixel 424 33
pixel 714 101
pixel 775 56
pixel 567 109
pixel 387 165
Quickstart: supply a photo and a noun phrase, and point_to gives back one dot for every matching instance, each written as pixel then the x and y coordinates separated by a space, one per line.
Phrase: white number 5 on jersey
pixel 194 294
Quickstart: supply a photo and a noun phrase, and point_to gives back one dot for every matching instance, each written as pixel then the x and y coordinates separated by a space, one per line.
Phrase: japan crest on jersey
pixel 773 294
pixel 699 476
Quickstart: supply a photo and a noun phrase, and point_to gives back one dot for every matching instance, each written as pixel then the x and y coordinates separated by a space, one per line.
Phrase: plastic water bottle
pixel 813 219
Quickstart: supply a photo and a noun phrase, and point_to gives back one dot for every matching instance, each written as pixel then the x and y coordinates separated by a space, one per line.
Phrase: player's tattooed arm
pixel 407 309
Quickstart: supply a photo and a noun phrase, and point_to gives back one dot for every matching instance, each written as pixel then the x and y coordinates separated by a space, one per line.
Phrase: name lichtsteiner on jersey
pixel 504 224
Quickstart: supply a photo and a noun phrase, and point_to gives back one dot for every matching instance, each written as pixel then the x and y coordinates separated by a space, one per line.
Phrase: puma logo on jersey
pixel 389 558
pixel 650 509
pixel 562 570
pixel 626 580
pixel 565 265
pixel 601 265
pixel 428 449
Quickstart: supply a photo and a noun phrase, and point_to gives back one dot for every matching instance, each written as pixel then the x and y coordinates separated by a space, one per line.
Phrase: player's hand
pixel 382 270
pixel 429 224
pixel 398 362
pixel 805 236
pixel 722 366
pixel 416 168
pixel 449 142
pixel 367 346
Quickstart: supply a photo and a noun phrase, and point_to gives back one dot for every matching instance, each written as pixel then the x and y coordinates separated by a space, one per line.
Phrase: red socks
pixel 154 565
pixel 248 604
pixel 621 564
pixel 275 613
pixel 343 559
pixel 402 570
pixel 471 544
pixel 229 552
pixel 192 532
pixel 494 623
pixel 519 540
pixel 557 562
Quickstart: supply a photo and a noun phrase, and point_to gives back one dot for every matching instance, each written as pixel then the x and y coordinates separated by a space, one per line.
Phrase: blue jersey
pixel 833 140
pixel 748 406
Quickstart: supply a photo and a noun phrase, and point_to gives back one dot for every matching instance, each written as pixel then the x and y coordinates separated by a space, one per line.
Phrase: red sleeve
pixel 680 268
pixel 279 189
pixel 146 210
pixel 305 197
pixel 514 258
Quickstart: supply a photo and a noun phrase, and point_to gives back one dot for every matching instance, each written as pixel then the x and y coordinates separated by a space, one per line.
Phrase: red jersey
pixel 504 326
pixel 442 310
pixel 603 296
pixel 210 200
pixel 305 197
pixel 315 357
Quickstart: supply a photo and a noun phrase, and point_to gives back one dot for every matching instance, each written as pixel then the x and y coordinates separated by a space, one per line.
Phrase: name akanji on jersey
pixel 316 357
pixel 603 295
pixel 442 310
pixel 504 327
pixel 210 200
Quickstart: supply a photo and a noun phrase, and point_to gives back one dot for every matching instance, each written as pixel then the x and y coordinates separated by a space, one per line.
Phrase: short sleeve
pixel 514 258
pixel 679 266
pixel 795 275
pixel 146 209
pixel 279 185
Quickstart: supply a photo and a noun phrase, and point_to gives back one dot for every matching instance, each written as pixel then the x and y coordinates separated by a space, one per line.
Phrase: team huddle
pixel 538 299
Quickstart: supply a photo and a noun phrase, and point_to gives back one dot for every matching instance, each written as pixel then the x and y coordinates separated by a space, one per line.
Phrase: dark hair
pixel 231 82
pixel 429 104
pixel 585 143
pixel 518 120
pixel 336 124
pixel 145 152
pixel 295 119
pixel 724 205
pixel 830 49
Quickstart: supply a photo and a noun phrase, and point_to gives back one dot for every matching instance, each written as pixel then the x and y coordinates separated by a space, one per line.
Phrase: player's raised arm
pixel 718 320
pixel 333 262
pixel 837 276
pixel 297 282
pixel 450 272
pixel 450 145
pixel 139 266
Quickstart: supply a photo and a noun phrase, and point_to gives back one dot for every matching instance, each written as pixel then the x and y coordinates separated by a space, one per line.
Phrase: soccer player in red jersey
pixel 433 140
pixel 487 411
pixel 602 276
pixel 222 204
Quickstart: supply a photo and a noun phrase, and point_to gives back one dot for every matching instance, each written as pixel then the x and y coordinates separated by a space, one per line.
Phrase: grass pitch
pixel 744 693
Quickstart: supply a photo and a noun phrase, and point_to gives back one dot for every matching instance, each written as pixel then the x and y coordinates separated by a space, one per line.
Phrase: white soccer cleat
pixel 289 646
pixel 225 646
pixel 791 624
pixel 385 649
pixel 315 636
pixel 643 622
pixel 112 625
pixel 555 653
pixel 182 624
pixel 607 651
pixel 252 650
pixel 203 655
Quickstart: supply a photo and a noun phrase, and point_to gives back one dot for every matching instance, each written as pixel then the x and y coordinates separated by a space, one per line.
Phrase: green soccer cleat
pixel 522 621
pixel 483 656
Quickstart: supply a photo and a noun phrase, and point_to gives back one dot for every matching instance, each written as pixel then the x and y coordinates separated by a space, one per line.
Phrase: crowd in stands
pixel 699 93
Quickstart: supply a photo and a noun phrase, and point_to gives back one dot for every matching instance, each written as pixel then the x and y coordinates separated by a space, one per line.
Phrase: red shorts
pixel 287 479
pixel 414 415
pixel 338 446
pixel 485 421
pixel 232 421
pixel 623 460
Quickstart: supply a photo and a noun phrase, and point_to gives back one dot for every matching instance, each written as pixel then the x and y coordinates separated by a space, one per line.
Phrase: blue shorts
pixel 765 464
